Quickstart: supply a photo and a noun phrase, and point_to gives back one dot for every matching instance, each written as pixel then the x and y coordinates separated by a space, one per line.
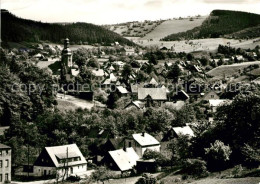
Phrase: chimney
pixel 143 133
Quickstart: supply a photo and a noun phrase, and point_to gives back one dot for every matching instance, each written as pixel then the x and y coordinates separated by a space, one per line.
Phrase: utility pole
pixel 28 152
pixel 67 169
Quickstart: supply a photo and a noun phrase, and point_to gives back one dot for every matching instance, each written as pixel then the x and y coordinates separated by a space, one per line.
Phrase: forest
pixel 223 23
pixel 15 29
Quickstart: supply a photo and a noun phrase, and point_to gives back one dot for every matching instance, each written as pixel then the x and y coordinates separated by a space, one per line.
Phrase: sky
pixel 118 11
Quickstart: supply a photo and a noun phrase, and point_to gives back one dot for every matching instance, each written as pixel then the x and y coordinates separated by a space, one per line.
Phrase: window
pixel 6 152
pixel 0 152
pixel 129 144
pixel 6 163
pixel 1 163
pixel 6 177
pixel 1 177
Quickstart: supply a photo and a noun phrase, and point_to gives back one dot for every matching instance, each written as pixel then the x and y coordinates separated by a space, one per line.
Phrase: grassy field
pixel 229 70
pixel 249 180
pixel 136 29
pixel 209 44
pixel 173 26
pixel 72 103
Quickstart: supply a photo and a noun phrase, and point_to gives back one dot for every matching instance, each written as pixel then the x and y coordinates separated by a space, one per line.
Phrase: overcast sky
pixel 116 11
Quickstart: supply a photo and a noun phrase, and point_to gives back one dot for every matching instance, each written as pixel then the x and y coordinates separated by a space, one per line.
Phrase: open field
pixel 229 70
pixel 249 180
pixel 71 103
pixel 45 64
pixel 209 44
pixel 173 26
pixel 134 28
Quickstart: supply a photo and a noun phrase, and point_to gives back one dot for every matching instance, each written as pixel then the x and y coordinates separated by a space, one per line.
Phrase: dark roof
pixel 2 146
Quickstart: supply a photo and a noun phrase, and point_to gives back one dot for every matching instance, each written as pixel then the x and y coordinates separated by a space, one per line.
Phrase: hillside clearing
pixel 173 26
pixel 209 44
pixel 229 70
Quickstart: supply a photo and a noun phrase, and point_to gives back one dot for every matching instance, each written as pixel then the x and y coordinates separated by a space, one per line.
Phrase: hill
pixel 174 26
pixel 222 23
pixel 134 29
pixel 230 70
pixel 16 29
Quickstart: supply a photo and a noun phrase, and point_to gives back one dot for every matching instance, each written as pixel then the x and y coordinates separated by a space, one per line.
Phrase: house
pixel 214 103
pixel 3 129
pixel 135 105
pixel 121 91
pixel 152 95
pixel 98 74
pixel 175 132
pixel 60 160
pixel 122 159
pixel 142 141
pixel 134 89
pixel 129 51
pixel 5 163
pixel 75 72
pixel 211 95
pixel 175 105
pixel 153 82
pixel 181 95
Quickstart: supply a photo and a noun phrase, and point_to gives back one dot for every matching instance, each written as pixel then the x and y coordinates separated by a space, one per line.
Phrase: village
pixel 131 79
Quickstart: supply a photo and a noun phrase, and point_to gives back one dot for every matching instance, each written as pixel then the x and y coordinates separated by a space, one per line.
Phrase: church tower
pixel 66 54
pixel 66 60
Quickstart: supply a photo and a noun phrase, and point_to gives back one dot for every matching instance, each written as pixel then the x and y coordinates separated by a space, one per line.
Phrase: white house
pixel 60 160
pixel 141 142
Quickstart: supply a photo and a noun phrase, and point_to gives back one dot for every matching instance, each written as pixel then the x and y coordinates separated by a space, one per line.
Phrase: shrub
pixel 195 167
pixel 237 171
pixel 160 159
pixel 73 178
pixel 217 155
pixel 146 179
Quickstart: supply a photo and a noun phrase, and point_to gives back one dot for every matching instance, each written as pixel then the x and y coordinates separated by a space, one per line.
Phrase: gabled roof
pixel 112 77
pixel 122 90
pixel 218 102
pixel 153 82
pixel 138 104
pixel 125 160
pixel 60 152
pixel 134 87
pixel 145 139
pixel 98 72
pixel 183 131
pixel 2 146
pixel 155 93
pixel 74 72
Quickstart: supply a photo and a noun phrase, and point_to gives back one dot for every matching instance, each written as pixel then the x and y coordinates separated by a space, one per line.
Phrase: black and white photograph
pixel 130 92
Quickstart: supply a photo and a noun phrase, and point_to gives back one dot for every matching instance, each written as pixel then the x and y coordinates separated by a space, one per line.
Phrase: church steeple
pixel 66 60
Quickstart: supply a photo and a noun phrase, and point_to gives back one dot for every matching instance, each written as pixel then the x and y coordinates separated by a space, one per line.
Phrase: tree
pixel 80 57
pixel 195 167
pixel 126 72
pixel 242 116
pixel 189 57
pixel 181 149
pixel 153 59
pixel 160 159
pixel 111 101
pixel 93 62
pixel 174 73
pixel 101 174
pixel 217 155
